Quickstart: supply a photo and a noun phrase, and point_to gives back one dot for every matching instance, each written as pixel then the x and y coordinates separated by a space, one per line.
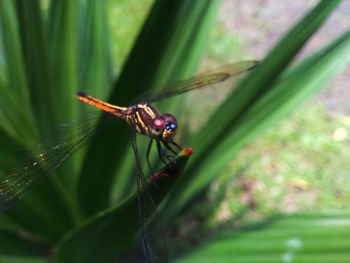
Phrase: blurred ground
pixel 302 163
pixel 259 24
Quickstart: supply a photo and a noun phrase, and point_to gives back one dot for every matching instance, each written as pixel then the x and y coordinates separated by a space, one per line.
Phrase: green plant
pixel 320 237
pixel 49 53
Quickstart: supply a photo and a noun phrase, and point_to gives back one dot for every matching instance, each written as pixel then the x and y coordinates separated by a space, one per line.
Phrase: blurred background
pixel 300 165
pixel 281 195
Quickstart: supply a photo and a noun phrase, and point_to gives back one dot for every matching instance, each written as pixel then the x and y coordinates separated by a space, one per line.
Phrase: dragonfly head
pixel 164 127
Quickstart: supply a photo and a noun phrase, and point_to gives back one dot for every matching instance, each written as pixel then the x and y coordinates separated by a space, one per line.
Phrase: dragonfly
pixel 142 118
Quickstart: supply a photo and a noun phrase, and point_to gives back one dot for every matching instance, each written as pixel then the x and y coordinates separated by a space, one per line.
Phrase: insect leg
pixel 147 156
pixel 161 154
pixel 169 148
pixel 178 146
pixel 153 239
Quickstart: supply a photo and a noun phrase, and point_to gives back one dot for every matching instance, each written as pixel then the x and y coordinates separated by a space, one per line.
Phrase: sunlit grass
pixel 131 15
pixel 297 166
pixel 224 46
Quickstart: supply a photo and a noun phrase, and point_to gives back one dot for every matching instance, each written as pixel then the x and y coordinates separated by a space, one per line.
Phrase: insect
pixel 142 118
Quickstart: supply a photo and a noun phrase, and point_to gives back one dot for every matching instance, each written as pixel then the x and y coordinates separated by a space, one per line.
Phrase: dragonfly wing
pixel 203 80
pixel 153 238
pixel 46 157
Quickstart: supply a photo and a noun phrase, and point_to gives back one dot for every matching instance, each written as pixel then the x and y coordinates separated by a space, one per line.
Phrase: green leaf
pixel 10 149
pixel 62 34
pixel 94 49
pixel 50 49
pixel 14 246
pixel 15 96
pixel 251 89
pixel 63 46
pixel 110 234
pixel 36 61
pixel 12 47
pixel 47 217
pixel 49 210
pixel 142 71
pixel 298 238
pixel 234 124
pixel 23 259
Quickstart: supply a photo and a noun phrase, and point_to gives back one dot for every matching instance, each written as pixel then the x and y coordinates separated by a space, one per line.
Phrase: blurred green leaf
pixel 298 238
pixel 15 96
pixel 46 211
pixel 13 246
pixel 110 234
pixel 94 49
pixel 241 117
pixel 10 149
pixel 50 49
pixel 63 49
pixel 45 217
pixel 146 66
pixel 23 259
pixel 36 61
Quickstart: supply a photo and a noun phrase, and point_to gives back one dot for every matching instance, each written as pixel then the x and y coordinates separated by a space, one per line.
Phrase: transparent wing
pixel 203 80
pixel 47 156
pixel 153 239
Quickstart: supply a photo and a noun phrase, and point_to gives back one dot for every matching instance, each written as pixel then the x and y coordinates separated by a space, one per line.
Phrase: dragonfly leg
pixel 178 146
pixel 162 154
pixel 169 148
pixel 147 156
pixel 170 157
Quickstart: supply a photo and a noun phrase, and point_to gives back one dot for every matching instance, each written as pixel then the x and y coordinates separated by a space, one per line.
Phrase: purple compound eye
pixel 169 118
pixel 158 123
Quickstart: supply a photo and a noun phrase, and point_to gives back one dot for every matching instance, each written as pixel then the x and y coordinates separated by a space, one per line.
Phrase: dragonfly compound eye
pixel 158 123
pixel 170 126
pixel 171 123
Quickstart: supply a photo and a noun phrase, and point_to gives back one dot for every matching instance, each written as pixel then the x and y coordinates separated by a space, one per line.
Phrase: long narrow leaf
pixel 15 99
pixel 230 117
pixel 110 234
pixel 35 52
pixel 298 238
pixel 141 72
pixel 95 66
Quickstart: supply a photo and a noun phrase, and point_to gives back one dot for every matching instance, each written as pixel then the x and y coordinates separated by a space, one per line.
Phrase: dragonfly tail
pixel 115 110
